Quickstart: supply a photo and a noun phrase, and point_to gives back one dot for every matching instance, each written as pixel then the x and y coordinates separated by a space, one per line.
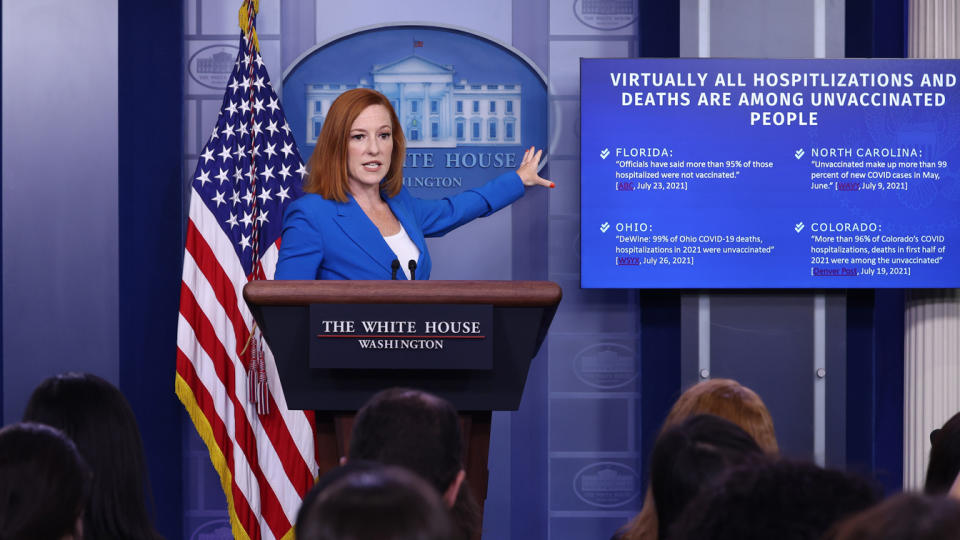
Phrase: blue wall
pixel 149 237
pixel 875 319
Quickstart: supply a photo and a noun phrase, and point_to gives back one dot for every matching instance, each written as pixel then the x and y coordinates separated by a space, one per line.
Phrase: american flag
pixel 226 378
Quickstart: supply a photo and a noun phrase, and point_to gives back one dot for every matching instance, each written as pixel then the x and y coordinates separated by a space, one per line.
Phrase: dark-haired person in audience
pixel 781 500
pixel 690 456
pixel 330 477
pixel 419 431
pixel 725 398
pixel 96 416
pixel 944 457
pixel 374 502
pixel 903 517
pixel 44 484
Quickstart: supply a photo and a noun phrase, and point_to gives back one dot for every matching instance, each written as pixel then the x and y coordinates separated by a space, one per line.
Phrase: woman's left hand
pixel 528 169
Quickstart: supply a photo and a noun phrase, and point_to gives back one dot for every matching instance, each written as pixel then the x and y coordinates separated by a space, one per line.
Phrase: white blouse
pixel 404 248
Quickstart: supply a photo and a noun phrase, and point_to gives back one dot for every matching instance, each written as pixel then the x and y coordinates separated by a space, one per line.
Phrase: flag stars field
pixel 252 149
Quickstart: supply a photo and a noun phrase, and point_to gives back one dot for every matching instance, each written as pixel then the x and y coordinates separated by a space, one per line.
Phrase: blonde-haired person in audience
pixel 725 398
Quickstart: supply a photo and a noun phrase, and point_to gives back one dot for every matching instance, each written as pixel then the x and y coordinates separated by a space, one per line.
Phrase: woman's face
pixel 369 148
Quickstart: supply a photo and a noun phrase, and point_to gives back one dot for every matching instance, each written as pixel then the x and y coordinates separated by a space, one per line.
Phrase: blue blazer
pixel 324 239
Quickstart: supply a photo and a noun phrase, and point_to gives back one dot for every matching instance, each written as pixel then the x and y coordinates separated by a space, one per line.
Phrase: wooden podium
pixel 522 312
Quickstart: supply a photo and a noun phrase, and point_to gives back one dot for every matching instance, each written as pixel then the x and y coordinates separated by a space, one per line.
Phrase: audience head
pixel 96 416
pixel 727 399
pixel 374 503
pixel 776 499
pixel 44 484
pixel 329 478
pixel 904 517
pixel 944 457
pixel 413 429
pixel 689 456
pixel 421 432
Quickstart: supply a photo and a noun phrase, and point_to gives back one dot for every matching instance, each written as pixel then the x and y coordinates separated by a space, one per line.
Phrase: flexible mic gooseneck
pixel 394 266
pixel 412 265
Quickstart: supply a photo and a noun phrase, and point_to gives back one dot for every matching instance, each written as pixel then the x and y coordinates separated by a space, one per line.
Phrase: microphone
pixel 412 265
pixel 394 266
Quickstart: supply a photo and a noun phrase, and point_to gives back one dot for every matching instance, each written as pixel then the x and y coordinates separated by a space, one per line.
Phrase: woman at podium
pixel 356 220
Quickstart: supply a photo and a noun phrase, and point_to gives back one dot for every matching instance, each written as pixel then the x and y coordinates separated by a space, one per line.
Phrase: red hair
pixel 328 163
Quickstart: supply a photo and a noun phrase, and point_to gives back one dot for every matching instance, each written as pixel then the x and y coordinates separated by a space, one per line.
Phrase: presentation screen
pixel 746 173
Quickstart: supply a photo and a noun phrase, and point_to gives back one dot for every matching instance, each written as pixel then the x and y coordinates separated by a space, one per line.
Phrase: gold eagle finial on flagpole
pixel 248 11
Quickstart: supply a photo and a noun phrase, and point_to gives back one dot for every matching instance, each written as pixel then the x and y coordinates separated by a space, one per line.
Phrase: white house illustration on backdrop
pixel 434 110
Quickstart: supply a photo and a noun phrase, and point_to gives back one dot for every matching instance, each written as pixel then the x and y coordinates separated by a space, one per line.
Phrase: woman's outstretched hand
pixel 528 169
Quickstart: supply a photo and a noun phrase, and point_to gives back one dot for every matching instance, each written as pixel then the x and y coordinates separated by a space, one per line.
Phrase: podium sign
pixel 401 336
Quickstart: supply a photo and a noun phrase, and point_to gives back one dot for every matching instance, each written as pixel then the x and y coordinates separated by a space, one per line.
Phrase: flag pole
pixel 250 8
pixel 257 372
pixel 248 13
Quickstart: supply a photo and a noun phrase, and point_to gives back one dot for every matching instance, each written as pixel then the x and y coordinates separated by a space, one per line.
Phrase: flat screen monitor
pixel 762 173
